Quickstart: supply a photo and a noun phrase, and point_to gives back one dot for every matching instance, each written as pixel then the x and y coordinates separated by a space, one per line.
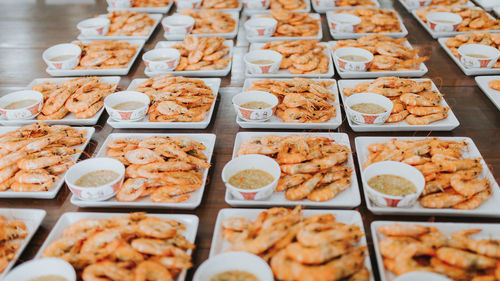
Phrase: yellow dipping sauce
pixel 128 105
pixel 251 179
pixel 392 185
pixel 20 104
pixel 368 108
pixel 97 178
pixel 49 278
pixel 255 105
pixel 234 275
pixel 354 58
pixel 477 56
pixel 61 58
pixel 262 62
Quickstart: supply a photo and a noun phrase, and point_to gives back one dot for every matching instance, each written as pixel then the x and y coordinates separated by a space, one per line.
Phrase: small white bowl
pixel 260 27
pixel 323 4
pixel 97 193
pixel 178 24
pixel 234 261
pixel 443 21
pixel 417 3
pixel 398 169
pixel 251 161
pixel 188 4
pixel 27 112
pixel 422 275
pixel 256 4
pixel 119 3
pixel 255 114
pixel 62 56
pixel 491 55
pixel 162 59
pixel 126 96
pixel 343 22
pixel 349 65
pixel 94 26
pixel 255 68
pixel 42 267
pixel 365 118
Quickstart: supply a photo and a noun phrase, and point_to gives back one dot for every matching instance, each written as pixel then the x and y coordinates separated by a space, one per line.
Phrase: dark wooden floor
pixel 27 27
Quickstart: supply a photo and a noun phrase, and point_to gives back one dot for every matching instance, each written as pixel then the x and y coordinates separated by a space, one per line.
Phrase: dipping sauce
pixel 255 105
pixel 445 21
pixel 20 104
pixel 354 58
pixel 250 179
pixel 97 178
pixel 49 278
pixel 61 58
pixel 479 56
pixel 368 108
pixel 392 185
pixel 128 105
pixel 262 62
pixel 234 275
pixel 161 59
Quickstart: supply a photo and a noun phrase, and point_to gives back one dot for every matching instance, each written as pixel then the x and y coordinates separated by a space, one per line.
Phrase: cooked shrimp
pixel 413 230
pixel 464 259
pixel 142 156
pixel 317 255
pixel 131 189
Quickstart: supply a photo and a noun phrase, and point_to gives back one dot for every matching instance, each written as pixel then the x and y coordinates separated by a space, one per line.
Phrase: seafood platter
pixel 322 6
pixel 259 7
pixel 143 6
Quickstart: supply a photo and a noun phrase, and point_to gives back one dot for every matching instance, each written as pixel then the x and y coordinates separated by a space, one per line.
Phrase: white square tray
pixel 319 9
pixel 229 35
pixel 156 17
pixel 247 11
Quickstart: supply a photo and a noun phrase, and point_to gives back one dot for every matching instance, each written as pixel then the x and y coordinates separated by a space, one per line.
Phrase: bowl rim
pixel 190 18
pixel 157 50
pixel 70 45
pixel 106 22
pixel 265 21
pixel 96 159
pixel 354 48
pixel 447 13
pixel 369 114
pixel 33 262
pixel 137 93
pixel 460 50
pixel 255 189
pixel 39 100
pixel 275 99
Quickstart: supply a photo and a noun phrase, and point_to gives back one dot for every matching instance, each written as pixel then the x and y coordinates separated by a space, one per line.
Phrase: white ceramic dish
pixel 198 73
pixel 69 119
pixel 493 95
pixel 155 17
pixel 468 55
pixel 262 39
pixel 228 35
pixel 251 115
pixel 436 35
pixel 277 123
pixel 322 9
pixel 158 10
pixel 29 111
pixel 447 124
pixel 284 72
pixel 194 201
pixel 374 74
pixel 136 114
pixel 111 71
pixel 268 10
pixel 32 218
pixel 144 123
pixel 487 209
pixel 237 9
pixel 496 10
pixel 234 261
pixel 348 198
pixel 467 71
pixel 343 35
pixel 271 67
pixel 42 267
pixel 191 222
pixel 52 192
pixel 489 231
pixel 409 8
pixel 219 244
pixel 357 117
pixel 487 5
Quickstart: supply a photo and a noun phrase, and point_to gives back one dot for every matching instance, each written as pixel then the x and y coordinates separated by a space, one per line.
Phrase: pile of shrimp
pixel 177 99
pixel 494 84
pixel 375 20
pixel 11 234
pixel 297 248
pixel 32 156
pixel 81 96
pixel 478 37
pixel 414 247
pixel 354 3
pixel 127 23
pixel 211 21
pixel 202 53
pixel 389 54
pixel 413 101
pixel 167 169
pixel 451 180
pixel 106 54
pixel 220 4
pixel 127 248
pixel 311 167
pixel 291 24
pixel 288 4
pixel 301 56
pixel 473 18
pixel 150 3
pixel 300 100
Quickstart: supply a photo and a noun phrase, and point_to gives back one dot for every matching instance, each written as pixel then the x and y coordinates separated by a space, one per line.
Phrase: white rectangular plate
pixel 220 245
pixel 286 73
pixel 155 17
pixel 144 123
pixel 408 8
pixel 159 10
pixel 466 71
pixel 322 9
pixel 262 39
pixel 374 74
pixel 69 119
pixel 255 12
pixel 111 71
pixel 496 10
pixel 277 123
pixel 198 73
pixel 487 209
pixel 348 198
pixel 32 218
pixel 494 95
pixel 489 231
pixel 435 34
pixel 69 218
pixel 229 35
pixel 194 201
pixel 352 35
pixel 447 124
pixel 52 192
pixel 487 5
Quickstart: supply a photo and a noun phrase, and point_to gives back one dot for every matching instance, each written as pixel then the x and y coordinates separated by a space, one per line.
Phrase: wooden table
pixel 28 27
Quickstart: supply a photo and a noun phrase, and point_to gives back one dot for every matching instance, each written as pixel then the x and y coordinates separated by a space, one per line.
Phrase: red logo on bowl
pixel 484 63
pixel 455 26
pixel 333 25
pixel 33 109
pixel 167 29
pixel 171 63
pixel 263 3
pixel 249 195
pixel 422 3
pixel 265 68
pixel 368 64
pixel 317 2
pixel 77 192
pixel 100 30
pixel 194 5
pixel 3 112
pixel 432 25
pixel 342 63
pixel 392 202
pixel 245 5
pixel 146 63
pixel 369 119
pixel 189 28
pixel 116 186
pixel 355 27
pixel 245 113
pixel 57 65
pixel 336 2
pixel 125 115
pixel 260 32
